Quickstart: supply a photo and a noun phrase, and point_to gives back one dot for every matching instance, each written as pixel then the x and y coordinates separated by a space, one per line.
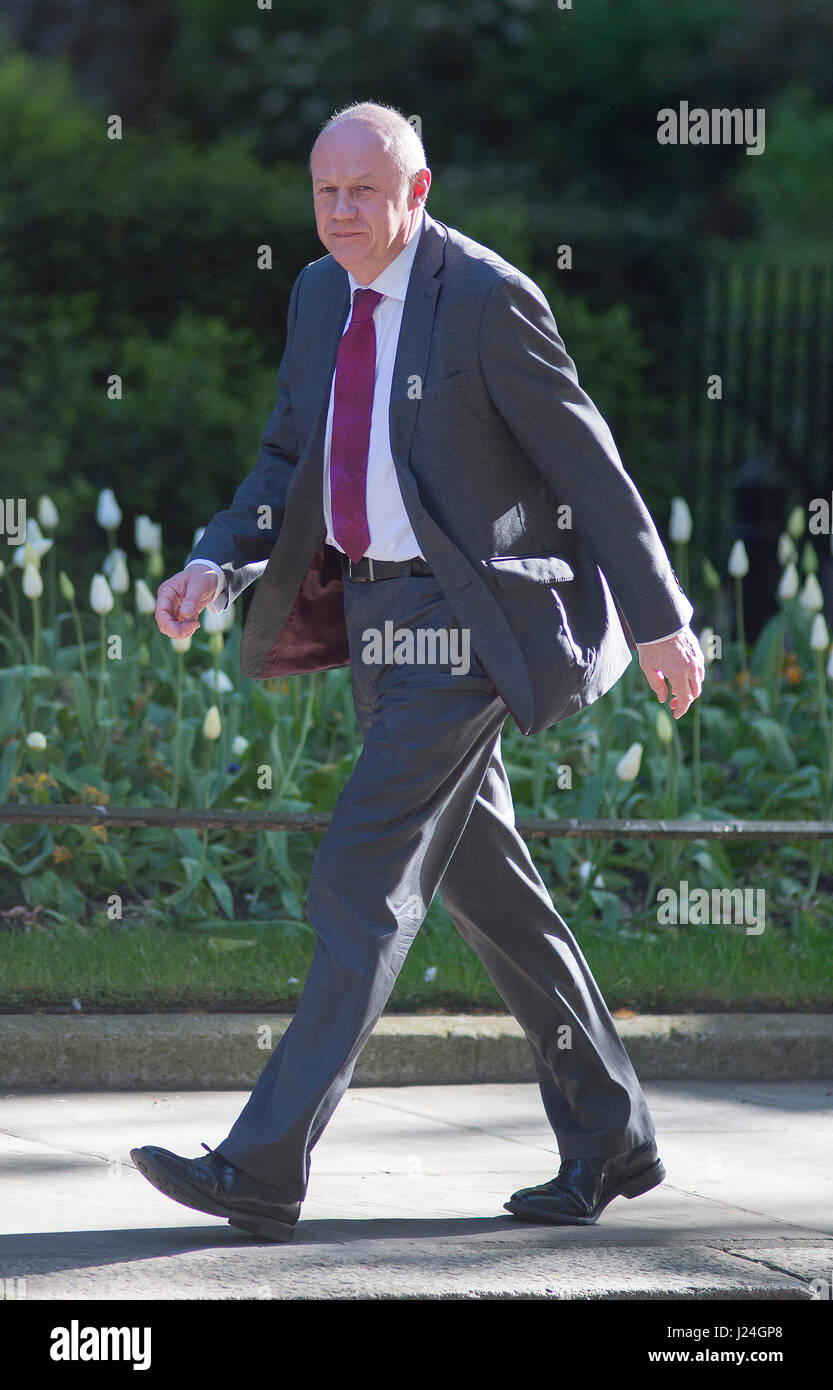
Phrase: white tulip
pixel 145 601
pixel 680 524
pixel 181 644
pixel 217 680
pixel 198 535
pixel 788 588
pixel 830 666
pixel 811 597
pixel 786 549
pixel 211 724
pixel 148 534
pixel 705 639
pixel 795 522
pixel 118 577
pixel 36 739
pixel 819 636
pixel 239 745
pixel 218 622
pixel 108 511
pixel 213 622
pixel 738 564
pixel 110 560
pixel 101 599
pixel 628 766
pixel 32 582
pixel 584 873
pixel 31 552
pixel 47 513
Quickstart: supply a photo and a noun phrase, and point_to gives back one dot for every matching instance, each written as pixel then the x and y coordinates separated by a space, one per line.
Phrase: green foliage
pixel 790 188
pixel 136 258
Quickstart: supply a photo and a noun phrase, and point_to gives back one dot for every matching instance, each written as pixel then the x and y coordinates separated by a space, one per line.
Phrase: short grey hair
pixel 401 140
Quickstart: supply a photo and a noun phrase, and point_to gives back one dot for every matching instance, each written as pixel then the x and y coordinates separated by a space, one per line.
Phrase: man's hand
pixel 680 660
pixel 181 599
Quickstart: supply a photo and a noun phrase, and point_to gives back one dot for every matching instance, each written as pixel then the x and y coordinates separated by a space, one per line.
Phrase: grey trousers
pixel 428 807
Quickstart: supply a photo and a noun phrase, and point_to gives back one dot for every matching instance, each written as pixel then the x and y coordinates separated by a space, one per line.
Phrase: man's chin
pixel 349 253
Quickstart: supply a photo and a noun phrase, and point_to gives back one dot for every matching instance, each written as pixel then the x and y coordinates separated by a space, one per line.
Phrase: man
pixel 432 465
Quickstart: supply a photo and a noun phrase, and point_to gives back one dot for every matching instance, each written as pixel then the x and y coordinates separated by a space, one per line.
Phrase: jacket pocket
pixel 446 386
pixel 536 569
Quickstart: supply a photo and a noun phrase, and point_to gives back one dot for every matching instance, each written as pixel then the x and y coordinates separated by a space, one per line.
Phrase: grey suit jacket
pixel 510 477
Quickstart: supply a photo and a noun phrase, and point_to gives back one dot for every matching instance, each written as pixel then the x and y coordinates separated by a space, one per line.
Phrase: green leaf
pixel 190 841
pixel 779 752
pixel 292 903
pixel 83 706
pixel 590 796
pixel 7 767
pixel 71 901
pixel 610 905
pixel 221 891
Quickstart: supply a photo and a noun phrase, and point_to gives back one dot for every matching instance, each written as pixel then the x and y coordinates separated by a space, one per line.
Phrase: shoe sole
pixel 187 1196
pixel 633 1187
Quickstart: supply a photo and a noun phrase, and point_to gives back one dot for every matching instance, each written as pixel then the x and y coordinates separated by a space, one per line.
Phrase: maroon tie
pixel 352 407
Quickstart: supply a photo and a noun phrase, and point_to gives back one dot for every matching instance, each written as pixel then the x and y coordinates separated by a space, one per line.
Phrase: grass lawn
pixel 242 966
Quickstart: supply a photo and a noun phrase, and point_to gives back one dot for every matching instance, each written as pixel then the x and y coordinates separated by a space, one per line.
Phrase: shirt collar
pixel 393 280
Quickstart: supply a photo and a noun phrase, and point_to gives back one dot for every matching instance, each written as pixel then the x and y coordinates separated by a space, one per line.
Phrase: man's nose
pixel 343 206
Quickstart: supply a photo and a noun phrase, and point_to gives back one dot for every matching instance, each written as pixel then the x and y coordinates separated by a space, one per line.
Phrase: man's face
pixel 364 211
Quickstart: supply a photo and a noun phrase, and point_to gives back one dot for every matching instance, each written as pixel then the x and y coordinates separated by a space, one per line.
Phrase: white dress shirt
pixel 391 534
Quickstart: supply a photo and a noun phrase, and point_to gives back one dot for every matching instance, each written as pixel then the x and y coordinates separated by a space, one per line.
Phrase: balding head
pixel 370 183
pixel 399 139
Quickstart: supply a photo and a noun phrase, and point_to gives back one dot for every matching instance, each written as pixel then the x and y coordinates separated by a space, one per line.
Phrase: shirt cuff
pixel 219 600
pixel 662 639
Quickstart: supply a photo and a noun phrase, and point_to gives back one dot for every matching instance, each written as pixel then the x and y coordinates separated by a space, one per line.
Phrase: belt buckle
pixel 358 578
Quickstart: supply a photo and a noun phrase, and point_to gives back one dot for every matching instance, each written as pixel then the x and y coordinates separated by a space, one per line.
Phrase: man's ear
pixel 421 185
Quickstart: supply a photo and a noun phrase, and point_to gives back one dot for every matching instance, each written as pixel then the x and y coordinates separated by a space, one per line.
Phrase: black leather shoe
pixel 584 1186
pixel 212 1184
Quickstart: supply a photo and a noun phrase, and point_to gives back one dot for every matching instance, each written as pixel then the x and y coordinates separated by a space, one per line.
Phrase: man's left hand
pixel 679 660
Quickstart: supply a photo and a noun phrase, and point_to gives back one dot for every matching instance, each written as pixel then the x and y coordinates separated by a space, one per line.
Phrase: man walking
pixel 432 466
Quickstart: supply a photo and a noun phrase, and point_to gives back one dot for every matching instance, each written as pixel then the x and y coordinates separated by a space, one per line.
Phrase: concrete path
pixel 406 1200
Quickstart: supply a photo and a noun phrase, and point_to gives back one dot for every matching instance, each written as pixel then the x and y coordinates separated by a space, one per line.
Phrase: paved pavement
pixel 406 1200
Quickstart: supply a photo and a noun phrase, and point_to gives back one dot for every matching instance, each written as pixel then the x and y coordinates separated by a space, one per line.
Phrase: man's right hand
pixel 181 599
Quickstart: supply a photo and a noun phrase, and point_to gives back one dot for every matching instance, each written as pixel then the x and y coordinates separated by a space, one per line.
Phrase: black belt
pixel 367 569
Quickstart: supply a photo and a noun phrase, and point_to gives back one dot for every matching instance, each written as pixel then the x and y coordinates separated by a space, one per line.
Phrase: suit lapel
pixel 413 349
pixel 324 335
